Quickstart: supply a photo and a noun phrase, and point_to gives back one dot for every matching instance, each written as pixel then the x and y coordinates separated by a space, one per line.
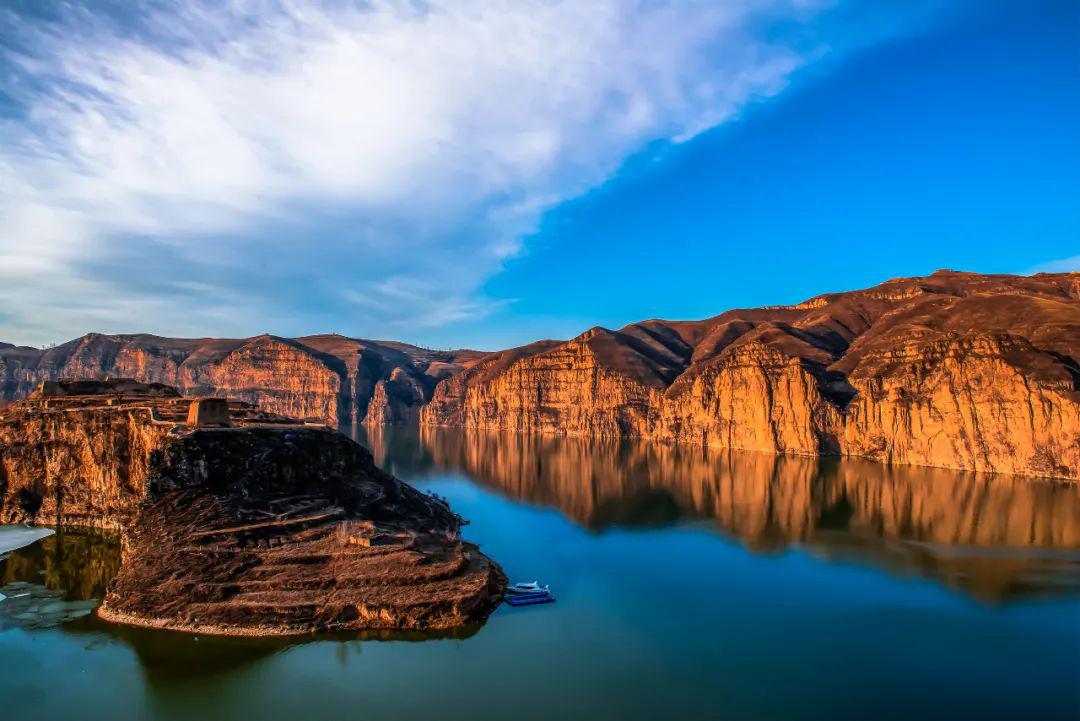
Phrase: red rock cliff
pixel 328 377
pixel 957 370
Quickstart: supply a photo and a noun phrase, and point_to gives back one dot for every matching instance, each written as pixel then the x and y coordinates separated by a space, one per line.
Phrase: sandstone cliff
pixel 327 377
pixel 254 525
pixel 957 370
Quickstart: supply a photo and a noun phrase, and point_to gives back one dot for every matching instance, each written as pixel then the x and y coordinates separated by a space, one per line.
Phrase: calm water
pixel 691 584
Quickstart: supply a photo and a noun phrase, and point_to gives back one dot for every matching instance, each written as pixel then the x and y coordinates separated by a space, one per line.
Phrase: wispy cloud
pixel 1062 265
pixel 233 167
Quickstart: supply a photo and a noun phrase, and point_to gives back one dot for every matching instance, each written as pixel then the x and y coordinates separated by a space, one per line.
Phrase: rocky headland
pixel 237 521
pixel 955 370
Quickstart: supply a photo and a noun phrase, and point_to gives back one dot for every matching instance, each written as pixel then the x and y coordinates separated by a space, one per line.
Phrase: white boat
pixel 529 587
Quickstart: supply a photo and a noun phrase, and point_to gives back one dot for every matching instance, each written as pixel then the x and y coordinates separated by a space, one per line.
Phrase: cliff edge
pixel 235 521
pixel 956 370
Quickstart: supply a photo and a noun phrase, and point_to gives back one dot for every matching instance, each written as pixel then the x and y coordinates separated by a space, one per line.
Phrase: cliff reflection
pixel 79 563
pixel 994 537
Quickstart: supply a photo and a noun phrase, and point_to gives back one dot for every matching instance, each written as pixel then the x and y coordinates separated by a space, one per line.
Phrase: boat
pixel 527 594
pixel 528 599
pixel 529 587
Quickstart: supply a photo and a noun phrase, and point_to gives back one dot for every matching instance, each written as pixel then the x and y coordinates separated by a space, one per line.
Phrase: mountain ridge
pixel 955 369
pixel 326 377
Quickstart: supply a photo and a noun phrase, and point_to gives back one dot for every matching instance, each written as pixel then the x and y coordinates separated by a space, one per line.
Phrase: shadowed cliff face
pixel 956 370
pixel 251 524
pixel 327 377
pixel 986 534
pixel 243 534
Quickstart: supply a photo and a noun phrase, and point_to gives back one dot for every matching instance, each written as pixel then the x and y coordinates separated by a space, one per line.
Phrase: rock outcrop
pixel 257 526
pixel 956 370
pixel 328 377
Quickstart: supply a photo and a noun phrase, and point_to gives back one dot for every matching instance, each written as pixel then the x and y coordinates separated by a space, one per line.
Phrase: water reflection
pixel 171 659
pixel 995 537
pixel 78 563
pixel 56 580
pixel 75 566
pixel 716 631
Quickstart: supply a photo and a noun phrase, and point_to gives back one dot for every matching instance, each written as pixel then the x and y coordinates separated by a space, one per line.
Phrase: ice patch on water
pixel 12 537
pixel 32 606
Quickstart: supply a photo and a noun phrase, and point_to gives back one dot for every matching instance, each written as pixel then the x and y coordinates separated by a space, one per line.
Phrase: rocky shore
pixel 235 521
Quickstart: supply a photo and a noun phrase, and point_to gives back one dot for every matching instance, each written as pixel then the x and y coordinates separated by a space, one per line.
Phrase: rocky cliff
pixel 957 370
pixel 327 377
pixel 252 525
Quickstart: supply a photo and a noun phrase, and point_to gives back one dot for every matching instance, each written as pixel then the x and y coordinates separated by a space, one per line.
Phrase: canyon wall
pixel 326 377
pixel 956 370
pixel 77 468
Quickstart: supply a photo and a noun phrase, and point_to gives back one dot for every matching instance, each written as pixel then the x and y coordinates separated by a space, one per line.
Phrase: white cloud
pixel 1062 265
pixel 228 168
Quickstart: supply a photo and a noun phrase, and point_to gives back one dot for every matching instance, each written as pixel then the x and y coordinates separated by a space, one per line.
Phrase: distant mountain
pixel 328 377
pixel 959 370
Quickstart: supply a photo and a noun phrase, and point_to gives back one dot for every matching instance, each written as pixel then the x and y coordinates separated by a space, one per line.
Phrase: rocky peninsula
pixel 234 520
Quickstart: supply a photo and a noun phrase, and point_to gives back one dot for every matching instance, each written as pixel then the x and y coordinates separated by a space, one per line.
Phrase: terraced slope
pixel 262 527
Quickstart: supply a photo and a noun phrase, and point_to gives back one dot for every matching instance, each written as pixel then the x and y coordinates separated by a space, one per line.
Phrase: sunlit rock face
pixel 83 467
pixel 956 370
pixel 325 377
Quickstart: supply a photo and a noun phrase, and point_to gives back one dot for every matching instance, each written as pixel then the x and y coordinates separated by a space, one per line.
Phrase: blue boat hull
pixel 528 599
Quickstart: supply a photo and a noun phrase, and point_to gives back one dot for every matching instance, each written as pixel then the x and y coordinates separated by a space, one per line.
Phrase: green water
pixel 691 584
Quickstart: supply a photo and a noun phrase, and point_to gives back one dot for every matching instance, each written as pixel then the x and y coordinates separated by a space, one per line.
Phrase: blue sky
pixel 488 173
pixel 956 146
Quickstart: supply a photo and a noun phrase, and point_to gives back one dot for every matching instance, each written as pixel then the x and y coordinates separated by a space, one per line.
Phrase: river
pixel 691 583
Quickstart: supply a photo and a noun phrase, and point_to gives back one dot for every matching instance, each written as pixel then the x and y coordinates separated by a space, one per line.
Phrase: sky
pixel 485 174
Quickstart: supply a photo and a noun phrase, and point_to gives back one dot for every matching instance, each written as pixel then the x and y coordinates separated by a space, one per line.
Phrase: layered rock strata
pixel 956 370
pixel 263 527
